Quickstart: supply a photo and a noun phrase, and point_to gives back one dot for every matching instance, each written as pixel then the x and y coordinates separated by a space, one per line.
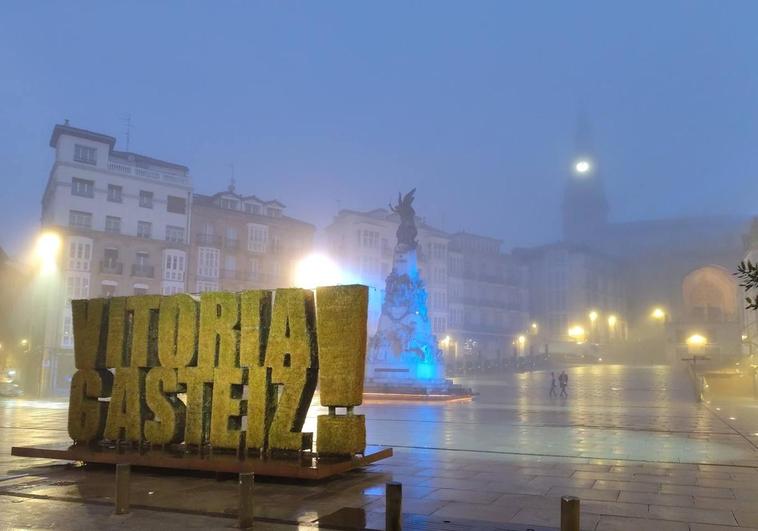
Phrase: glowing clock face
pixel 582 167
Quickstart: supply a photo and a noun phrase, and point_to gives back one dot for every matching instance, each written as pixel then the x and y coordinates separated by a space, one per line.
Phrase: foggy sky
pixel 341 104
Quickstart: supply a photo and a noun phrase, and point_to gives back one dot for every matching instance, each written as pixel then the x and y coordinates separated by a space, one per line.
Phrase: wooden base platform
pixel 305 466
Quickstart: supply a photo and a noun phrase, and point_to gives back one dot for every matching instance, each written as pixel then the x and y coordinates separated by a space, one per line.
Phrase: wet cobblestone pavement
pixel 630 442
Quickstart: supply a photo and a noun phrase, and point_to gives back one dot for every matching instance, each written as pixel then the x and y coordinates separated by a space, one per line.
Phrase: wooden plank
pixel 308 466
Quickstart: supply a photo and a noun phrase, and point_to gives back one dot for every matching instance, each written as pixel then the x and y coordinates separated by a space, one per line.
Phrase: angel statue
pixel 406 232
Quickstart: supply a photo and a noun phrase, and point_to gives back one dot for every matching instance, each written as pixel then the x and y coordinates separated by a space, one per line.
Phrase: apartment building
pixel 243 242
pixel 124 221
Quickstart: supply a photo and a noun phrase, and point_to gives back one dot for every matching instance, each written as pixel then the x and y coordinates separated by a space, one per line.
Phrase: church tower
pixel 585 208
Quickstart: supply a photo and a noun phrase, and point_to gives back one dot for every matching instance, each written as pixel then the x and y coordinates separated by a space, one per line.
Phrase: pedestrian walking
pixel 553 386
pixel 563 380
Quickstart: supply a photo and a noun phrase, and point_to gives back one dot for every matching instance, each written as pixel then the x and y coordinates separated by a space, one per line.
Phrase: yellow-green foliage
pixel 291 355
pixel 167 424
pixel 199 381
pixel 342 312
pixel 86 414
pixel 117 351
pixel 177 331
pixel 261 404
pixel 127 410
pixel 89 317
pixel 341 435
pixel 228 407
pixel 255 320
pixel 144 347
pixel 219 330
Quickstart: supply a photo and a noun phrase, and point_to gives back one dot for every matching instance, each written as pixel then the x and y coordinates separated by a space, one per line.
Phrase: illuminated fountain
pixel 403 357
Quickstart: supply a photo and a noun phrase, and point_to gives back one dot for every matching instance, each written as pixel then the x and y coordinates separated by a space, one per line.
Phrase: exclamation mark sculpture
pixel 342 313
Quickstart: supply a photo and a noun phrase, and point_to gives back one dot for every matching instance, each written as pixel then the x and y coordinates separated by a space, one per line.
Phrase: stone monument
pixel 403 355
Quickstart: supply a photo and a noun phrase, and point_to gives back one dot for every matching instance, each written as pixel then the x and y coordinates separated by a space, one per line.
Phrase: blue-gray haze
pixel 329 104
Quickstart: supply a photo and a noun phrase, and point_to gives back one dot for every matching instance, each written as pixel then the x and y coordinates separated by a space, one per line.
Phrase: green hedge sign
pixel 246 364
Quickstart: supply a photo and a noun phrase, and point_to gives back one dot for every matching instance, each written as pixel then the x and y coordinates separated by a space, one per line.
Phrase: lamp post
pixel 46 254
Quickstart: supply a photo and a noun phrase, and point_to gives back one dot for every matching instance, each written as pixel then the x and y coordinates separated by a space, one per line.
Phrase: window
pixel 77 286
pixel 144 229
pixel 82 187
pixel 67 335
pixel 230 204
pixel 257 237
pixel 206 285
pixel 85 154
pixel 112 224
pixel 79 254
pixel 142 258
pixel 230 262
pixel 176 205
pixel 255 268
pixel 140 289
pixel 172 289
pixel 80 219
pixel 276 244
pixel 174 234
pixel 108 289
pixel 274 212
pixel 368 238
pixel 114 193
pixel 145 199
pixel 110 256
pixel 250 208
pixel 173 265
pixel 208 261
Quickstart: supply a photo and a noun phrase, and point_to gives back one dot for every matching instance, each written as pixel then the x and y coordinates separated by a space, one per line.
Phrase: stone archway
pixel 710 294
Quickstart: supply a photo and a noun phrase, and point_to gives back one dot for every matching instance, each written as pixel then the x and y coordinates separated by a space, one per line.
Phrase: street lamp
pixel 593 316
pixel 658 314
pixel 317 270
pixel 697 340
pixel 46 251
pixel 577 333
pixel 534 327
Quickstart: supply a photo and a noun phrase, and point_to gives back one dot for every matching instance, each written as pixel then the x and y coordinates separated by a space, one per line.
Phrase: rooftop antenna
pixel 127 119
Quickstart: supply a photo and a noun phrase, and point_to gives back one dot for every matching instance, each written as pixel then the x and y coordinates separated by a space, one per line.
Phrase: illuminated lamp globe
pixel 316 270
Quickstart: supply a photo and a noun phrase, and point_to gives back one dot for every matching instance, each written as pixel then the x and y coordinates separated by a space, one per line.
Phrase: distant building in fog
pixel 681 265
pixel 242 242
pixel 124 219
pixel 476 294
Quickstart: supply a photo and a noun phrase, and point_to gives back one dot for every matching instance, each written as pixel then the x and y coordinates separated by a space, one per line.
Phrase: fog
pixel 341 105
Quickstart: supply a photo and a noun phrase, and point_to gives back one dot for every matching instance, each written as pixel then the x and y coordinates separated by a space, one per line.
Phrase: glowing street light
pixel 593 316
pixel 612 320
pixel 658 314
pixel 46 251
pixel 522 340
pixel 697 340
pixel 577 333
pixel 316 270
pixel 582 166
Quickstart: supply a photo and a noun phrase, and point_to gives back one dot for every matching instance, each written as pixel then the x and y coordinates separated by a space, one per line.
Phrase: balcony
pixel 143 270
pixel 231 243
pixel 111 267
pixel 126 169
pixel 210 240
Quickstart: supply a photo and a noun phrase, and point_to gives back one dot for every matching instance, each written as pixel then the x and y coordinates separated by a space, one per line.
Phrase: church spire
pixel 585 208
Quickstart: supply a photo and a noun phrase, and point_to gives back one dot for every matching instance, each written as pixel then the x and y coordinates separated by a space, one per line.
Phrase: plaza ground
pixel 631 442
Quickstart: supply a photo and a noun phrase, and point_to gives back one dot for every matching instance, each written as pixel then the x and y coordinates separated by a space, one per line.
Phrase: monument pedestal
pixel 403 358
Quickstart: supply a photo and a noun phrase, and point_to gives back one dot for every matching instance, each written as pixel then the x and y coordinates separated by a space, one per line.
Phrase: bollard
pixel 569 513
pixel 246 513
pixel 393 511
pixel 122 488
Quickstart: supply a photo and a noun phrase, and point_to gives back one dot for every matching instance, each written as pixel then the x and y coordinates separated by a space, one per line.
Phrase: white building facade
pixel 124 220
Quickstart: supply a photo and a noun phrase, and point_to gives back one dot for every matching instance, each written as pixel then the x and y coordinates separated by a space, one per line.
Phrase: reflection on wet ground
pixel 630 442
